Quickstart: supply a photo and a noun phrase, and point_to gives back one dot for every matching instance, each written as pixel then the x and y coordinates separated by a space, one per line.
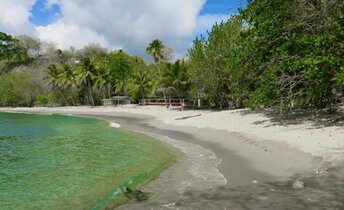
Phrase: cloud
pixel 126 24
pixel 206 21
pixel 14 17
pixel 129 24
pixel 70 35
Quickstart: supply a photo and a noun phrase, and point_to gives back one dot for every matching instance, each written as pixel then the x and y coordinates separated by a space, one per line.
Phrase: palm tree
pixel 140 83
pixel 67 80
pixel 175 77
pixel 85 75
pixel 156 49
pixel 53 78
pixel 52 75
pixel 101 81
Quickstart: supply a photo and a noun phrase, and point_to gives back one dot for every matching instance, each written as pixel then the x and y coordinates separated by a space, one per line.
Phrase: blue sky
pixel 222 6
pixel 115 24
pixel 42 15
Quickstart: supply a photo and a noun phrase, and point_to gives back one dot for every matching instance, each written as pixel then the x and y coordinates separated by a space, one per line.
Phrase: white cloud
pixel 70 35
pixel 205 22
pixel 128 23
pixel 14 17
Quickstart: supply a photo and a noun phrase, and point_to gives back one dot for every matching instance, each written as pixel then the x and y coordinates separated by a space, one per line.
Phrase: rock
pixel 320 171
pixel 262 198
pixel 136 195
pixel 255 182
pixel 298 185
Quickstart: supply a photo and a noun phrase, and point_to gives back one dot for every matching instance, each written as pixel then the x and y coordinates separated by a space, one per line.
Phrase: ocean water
pixel 64 162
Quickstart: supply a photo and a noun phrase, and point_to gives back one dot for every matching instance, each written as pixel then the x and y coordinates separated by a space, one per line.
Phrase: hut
pixel 117 100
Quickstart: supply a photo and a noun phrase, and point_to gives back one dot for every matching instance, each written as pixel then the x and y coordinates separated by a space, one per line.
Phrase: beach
pixel 233 159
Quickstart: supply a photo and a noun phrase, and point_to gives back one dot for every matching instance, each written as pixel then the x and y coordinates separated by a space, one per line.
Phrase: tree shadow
pixel 317 118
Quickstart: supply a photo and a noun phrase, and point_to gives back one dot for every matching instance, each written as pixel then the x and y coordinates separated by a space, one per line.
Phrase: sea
pixel 67 162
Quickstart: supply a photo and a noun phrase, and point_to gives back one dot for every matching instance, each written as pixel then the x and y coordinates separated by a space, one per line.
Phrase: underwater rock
pixel 298 185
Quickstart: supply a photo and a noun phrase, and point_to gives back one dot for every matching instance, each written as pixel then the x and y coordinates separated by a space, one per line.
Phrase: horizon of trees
pixel 281 54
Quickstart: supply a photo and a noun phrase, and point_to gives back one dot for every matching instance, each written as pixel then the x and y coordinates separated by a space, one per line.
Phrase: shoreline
pixel 244 161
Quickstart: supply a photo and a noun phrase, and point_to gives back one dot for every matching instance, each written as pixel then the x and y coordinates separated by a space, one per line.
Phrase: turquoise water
pixel 62 162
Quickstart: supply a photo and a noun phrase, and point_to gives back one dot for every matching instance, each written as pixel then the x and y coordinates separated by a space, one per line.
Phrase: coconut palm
pixel 53 78
pixel 175 77
pixel 67 80
pixel 52 75
pixel 140 84
pixel 156 49
pixel 85 76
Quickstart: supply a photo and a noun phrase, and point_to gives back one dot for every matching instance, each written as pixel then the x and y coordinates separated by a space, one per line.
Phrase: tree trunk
pixel 143 95
pixel 90 92
pixel 163 92
pixel 104 93
pixel 71 96
pixel 64 98
pixel 109 91
pixel 181 102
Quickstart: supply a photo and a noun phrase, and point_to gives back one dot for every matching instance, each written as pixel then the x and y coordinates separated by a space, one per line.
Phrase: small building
pixel 117 100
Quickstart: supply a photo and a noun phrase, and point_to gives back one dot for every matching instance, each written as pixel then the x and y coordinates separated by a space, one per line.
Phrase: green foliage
pixel 49 99
pixel 16 51
pixel 155 49
pixel 284 54
pixel 175 78
pixel 10 52
pixel 41 100
pixel 8 46
pixel 209 71
pixel 18 89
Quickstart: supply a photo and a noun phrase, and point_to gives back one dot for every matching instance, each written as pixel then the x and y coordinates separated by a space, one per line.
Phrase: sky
pixel 115 24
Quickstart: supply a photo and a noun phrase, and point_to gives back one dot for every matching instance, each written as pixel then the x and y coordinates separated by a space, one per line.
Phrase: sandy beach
pixel 233 159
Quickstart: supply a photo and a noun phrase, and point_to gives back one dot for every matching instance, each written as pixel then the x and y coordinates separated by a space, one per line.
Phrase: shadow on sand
pixel 318 118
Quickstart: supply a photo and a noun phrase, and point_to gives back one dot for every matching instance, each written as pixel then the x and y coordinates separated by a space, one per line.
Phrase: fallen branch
pixel 187 117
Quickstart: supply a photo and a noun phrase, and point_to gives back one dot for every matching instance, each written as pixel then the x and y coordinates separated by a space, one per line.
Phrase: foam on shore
pixel 115 125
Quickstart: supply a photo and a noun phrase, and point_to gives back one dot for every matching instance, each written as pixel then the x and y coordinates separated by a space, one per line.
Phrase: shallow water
pixel 61 162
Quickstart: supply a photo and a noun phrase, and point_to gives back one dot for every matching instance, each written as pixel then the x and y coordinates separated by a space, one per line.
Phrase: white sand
pixel 324 142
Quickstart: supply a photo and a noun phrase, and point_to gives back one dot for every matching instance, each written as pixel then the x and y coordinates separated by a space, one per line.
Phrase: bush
pixel 41 100
pixel 18 89
pixel 49 99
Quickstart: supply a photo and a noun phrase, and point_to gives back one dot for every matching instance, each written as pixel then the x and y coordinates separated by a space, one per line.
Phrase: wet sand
pixel 241 173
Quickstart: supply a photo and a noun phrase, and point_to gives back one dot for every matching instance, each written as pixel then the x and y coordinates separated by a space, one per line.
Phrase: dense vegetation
pixel 50 76
pixel 284 54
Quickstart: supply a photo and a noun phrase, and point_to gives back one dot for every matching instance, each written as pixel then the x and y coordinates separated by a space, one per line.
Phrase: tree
pixel 10 52
pixel 18 89
pixel 156 49
pixel 175 77
pixel 197 70
pixel 8 46
pixel 66 80
pixel 296 52
pixel 29 46
pixel 53 78
pixel 120 70
pixel 85 75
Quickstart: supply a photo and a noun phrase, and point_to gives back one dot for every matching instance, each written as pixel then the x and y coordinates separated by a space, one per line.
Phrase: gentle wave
pixel 203 172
